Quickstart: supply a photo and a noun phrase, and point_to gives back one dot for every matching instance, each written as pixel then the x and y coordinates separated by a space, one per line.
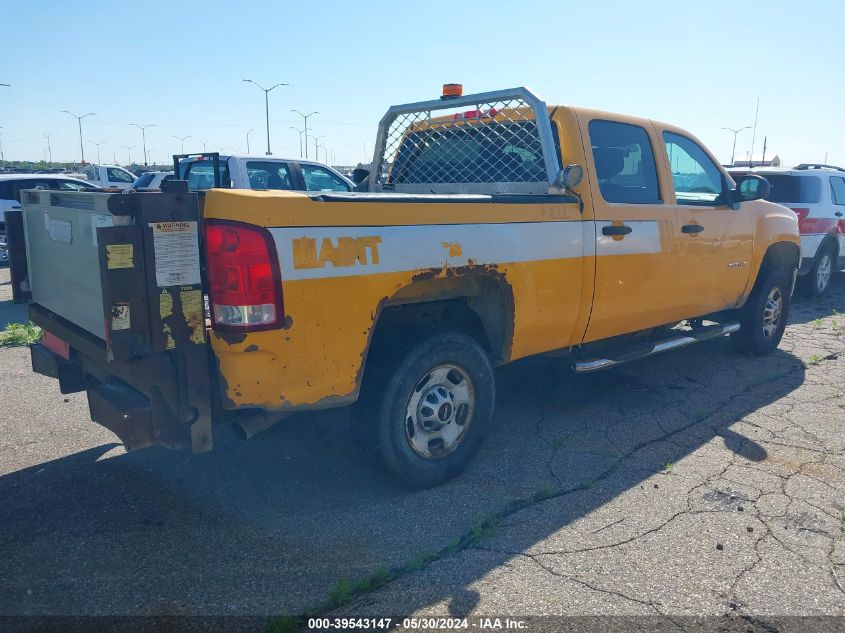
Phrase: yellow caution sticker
pixel 165 304
pixel 119 255
pixel 193 313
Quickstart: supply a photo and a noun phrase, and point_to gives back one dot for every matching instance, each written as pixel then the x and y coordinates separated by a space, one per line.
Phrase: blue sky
pixel 179 65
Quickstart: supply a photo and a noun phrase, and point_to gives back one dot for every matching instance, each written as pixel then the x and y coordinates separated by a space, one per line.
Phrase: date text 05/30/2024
pixel 415 624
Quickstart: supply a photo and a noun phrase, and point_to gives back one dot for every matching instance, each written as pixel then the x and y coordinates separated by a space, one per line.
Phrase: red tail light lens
pixel 245 285
pixel 801 213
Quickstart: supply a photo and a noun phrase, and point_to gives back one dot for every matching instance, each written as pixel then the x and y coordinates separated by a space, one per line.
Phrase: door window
pixel 837 190
pixel 118 175
pixel 624 160
pixel 696 178
pixel 268 175
pixel 321 179
pixel 200 174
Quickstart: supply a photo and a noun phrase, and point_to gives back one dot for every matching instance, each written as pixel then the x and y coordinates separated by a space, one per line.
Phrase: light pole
pixel 735 132
pixel 266 106
pixel 2 158
pixel 79 121
pixel 247 138
pixel 181 140
pixel 129 149
pixel 49 149
pixel 305 118
pixel 316 152
pixel 204 143
pixel 143 129
pixel 98 148
pixel 300 139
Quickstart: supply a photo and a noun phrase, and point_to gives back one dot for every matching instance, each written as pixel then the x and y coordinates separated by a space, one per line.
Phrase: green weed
pixel 17 334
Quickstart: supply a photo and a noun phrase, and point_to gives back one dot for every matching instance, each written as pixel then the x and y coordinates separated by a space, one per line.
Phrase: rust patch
pixel 251 348
pixel 230 338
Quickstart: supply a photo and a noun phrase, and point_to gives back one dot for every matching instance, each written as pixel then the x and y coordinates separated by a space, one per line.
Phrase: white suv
pixel 817 195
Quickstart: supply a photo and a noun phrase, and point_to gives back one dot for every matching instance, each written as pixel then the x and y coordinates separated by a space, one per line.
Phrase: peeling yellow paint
pixel 169 343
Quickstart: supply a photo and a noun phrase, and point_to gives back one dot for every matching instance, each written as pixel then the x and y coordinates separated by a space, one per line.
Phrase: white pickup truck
pixel 109 176
pixel 206 171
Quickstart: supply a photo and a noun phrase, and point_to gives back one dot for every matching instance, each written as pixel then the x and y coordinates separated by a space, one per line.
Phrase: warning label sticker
pixel 177 254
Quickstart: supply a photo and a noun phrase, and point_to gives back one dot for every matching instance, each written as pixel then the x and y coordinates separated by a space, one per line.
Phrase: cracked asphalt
pixel 699 482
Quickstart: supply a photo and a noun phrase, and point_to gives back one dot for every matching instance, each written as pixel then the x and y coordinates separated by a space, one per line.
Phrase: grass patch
pixel 18 334
pixel 814 359
pixel 668 467
pixel 817 323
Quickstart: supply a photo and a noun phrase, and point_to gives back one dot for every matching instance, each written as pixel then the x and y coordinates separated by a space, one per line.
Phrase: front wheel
pixel 432 414
pixel 763 317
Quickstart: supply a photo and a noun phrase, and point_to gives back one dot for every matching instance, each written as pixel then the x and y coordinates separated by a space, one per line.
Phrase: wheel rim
pixel 772 312
pixel 823 272
pixel 440 411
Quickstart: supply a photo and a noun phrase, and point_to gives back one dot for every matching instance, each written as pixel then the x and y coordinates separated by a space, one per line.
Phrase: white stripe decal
pixel 347 251
pixel 644 238
pixel 319 252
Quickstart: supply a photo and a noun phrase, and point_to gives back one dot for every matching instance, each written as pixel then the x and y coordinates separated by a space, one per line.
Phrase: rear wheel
pixel 431 413
pixel 763 317
pixel 816 282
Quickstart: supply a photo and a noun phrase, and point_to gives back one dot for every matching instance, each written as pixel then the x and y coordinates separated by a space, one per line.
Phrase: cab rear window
pixel 794 189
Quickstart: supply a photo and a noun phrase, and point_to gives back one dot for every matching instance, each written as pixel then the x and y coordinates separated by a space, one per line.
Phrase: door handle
pixel 838 214
pixel 692 228
pixel 616 230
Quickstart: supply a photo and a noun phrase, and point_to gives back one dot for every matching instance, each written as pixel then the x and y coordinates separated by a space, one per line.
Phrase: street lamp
pixel 316 152
pixel 305 118
pixel 49 149
pixel 247 138
pixel 143 129
pixel 204 143
pixel 98 148
pixel 2 158
pixel 735 132
pixel 129 149
pixel 181 140
pixel 300 139
pixel 79 121
pixel 266 106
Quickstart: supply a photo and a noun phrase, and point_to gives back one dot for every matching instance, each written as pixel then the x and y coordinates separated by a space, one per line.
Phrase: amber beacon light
pixel 450 91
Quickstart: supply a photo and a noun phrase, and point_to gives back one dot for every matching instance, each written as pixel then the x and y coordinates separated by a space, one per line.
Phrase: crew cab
pixel 109 176
pixel 493 228
pixel 816 193
pixel 205 171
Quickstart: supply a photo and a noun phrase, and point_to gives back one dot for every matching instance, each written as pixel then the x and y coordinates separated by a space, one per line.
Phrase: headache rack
pixel 487 143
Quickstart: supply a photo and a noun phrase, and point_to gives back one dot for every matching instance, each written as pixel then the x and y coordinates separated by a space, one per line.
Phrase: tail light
pixel 245 285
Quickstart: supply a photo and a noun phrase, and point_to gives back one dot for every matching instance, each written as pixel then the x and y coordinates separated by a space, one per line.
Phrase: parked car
pixel 10 195
pixel 816 193
pixel 109 176
pixel 261 172
pixel 151 180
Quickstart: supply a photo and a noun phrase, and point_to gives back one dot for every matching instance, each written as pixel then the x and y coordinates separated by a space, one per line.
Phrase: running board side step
pixel 676 342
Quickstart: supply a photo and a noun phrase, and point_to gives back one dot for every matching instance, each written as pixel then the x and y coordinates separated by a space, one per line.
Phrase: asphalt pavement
pixel 699 482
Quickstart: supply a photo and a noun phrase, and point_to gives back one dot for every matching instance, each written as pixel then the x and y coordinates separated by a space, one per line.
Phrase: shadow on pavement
pixel 269 525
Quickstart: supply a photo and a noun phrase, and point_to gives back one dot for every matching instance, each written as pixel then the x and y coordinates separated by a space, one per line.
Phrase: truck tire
pixel 430 413
pixel 817 280
pixel 763 317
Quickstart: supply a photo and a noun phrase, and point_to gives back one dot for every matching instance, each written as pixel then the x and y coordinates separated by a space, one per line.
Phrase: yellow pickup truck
pixel 491 227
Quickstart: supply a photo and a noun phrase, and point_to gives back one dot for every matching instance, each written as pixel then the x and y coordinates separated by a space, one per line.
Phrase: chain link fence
pixel 488 143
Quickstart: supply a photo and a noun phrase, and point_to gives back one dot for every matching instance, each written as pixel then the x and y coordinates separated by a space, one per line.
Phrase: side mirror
pixel 570 176
pixel 751 187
